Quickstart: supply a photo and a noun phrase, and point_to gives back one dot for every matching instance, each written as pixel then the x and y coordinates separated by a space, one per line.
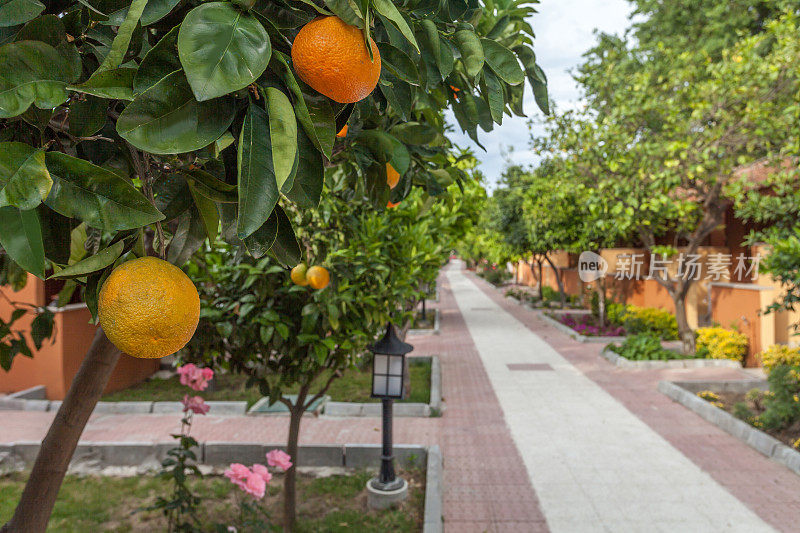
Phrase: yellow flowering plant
pixel 721 343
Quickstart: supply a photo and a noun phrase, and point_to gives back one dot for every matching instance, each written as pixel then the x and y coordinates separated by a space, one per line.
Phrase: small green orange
pixel 299 275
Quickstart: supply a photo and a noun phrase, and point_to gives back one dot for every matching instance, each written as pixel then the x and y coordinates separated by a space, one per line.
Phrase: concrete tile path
pixel 602 448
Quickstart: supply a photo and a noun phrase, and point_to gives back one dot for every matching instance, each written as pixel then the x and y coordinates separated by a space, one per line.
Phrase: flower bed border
pixel 428 331
pixel 685 393
pixel 96 457
pixel 617 360
pixel 34 399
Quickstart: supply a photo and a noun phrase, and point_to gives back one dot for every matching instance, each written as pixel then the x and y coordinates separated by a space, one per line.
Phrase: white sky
pixel 564 31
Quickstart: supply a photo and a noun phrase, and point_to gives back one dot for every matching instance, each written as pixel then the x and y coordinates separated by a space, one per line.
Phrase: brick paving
pixel 487 487
pixel 767 488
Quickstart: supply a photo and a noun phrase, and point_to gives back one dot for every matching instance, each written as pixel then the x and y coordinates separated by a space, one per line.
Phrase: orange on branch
pixel 318 277
pixel 392 205
pixel 392 176
pixel 298 275
pixel 331 56
pixel 342 132
pixel 148 308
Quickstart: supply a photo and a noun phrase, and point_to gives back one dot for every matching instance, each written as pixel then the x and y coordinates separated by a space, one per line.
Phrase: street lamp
pixel 388 376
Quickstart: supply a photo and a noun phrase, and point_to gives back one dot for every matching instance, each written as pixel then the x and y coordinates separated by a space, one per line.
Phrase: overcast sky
pixel 564 31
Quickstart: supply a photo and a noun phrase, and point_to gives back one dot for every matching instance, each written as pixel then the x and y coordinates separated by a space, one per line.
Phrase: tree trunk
pixel 39 496
pixel 559 281
pixel 684 330
pixel 601 302
pixel 290 479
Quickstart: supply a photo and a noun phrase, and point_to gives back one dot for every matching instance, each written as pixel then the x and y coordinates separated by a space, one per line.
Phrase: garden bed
pixel 578 336
pixel 429 325
pixel 331 503
pixel 686 393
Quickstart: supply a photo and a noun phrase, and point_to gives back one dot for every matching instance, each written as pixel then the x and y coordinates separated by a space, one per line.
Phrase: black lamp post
pixel 388 376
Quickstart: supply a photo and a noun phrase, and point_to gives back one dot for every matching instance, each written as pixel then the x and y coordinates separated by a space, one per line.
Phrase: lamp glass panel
pixel 381 363
pixel 396 365
pixel 395 386
pixel 379 386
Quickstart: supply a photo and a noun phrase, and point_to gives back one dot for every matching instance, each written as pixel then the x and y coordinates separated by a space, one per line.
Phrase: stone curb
pixel 618 360
pixel 23 401
pixel 147 456
pixel 758 440
pixel 574 334
pixel 433 331
pixel 434 491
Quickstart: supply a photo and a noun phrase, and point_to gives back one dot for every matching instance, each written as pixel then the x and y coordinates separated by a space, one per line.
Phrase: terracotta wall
pixel 56 363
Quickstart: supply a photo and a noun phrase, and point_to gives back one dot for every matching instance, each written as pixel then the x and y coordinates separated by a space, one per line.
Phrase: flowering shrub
pixel 587 325
pixel 643 320
pixel 494 274
pixel 181 508
pixel 779 354
pixel 712 398
pixel 777 408
pixel 253 481
pixel 720 343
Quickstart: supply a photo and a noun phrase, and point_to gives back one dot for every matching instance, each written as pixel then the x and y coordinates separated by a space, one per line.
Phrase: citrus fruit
pixel 342 132
pixel 318 277
pixel 392 205
pixel 392 176
pixel 298 275
pixel 331 56
pixel 148 308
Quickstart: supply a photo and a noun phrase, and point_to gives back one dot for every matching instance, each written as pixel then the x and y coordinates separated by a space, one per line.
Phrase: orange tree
pixel 256 320
pixel 147 127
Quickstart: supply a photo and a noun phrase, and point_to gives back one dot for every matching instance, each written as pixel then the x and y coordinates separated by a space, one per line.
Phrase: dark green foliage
pixel 643 347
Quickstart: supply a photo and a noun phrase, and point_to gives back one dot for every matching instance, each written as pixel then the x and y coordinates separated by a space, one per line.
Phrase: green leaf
pixel 31 72
pixel 310 176
pixel 88 116
pixel 492 90
pixel 97 196
pixel 414 133
pixel 172 196
pixel 24 179
pixel 471 51
pixel 397 92
pixel 160 61
pixel 285 248
pixel 21 238
pixel 503 62
pixel 388 10
pixel 188 238
pixel 123 38
pixel 13 12
pixel 221 49
pixel 166 119
pixel 156 10
pixel 438 48
pixel 262 239
pixel 210 187
pixel 116 84
pixel 282 134
pixel 399 63
pixel 313 111
pixel 208 214
pixel 258 188
pixel 46 28
pixel 42 327
pixel 344 10
pixel 98 261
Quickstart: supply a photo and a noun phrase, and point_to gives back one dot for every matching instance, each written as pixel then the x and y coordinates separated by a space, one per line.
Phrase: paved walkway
pixel 581 446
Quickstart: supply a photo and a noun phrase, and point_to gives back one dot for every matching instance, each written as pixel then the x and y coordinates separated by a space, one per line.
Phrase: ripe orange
pixel 331 56
pixel 392 176
pixel 148 308
pixel 318 277
pixel 342 132
pixel 298 275
pixel 392 205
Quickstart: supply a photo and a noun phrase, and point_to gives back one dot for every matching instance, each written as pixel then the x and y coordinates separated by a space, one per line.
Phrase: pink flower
pixel 262 471
pixel 279 459
pixel 237 473
pixel 255 485
pixel 196 404
pixel 194 377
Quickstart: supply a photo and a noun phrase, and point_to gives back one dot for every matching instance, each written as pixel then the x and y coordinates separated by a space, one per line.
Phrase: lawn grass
pixel 328 504
pixel 354 386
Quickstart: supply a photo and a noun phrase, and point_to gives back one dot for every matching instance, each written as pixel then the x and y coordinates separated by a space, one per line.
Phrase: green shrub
pixel 779 354
pixel 495 275
pixel 782 402
pixel 649 320
pixel 549 294
pixel 643 347
pixel 721 343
